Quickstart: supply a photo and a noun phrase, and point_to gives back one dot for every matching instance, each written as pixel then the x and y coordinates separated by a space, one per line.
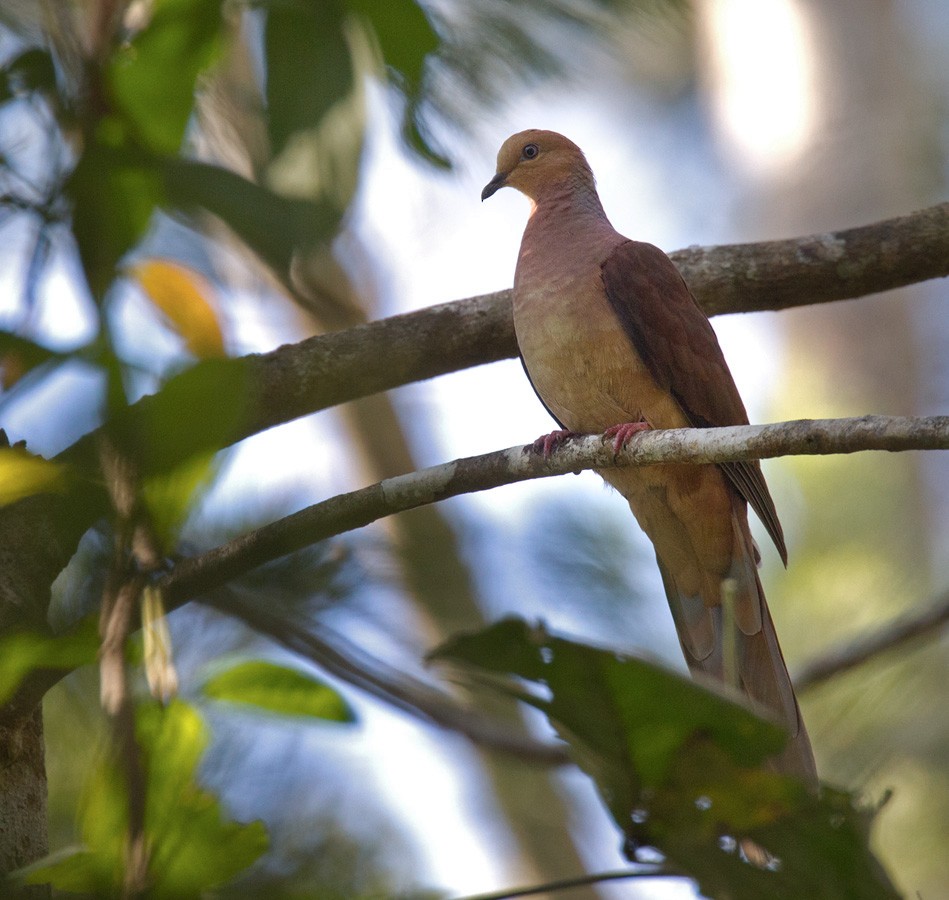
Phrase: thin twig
pixel 478 473
pixel 337 656
pixel 567 883
pixel 927 622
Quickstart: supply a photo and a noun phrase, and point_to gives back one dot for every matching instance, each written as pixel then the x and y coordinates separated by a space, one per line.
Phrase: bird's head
pixel 538 164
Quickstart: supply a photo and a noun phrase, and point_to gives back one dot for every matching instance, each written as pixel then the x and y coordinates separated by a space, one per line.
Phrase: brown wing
pixel 678 344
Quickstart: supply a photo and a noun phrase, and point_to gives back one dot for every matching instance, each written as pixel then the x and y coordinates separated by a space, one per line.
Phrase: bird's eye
pixel 530 151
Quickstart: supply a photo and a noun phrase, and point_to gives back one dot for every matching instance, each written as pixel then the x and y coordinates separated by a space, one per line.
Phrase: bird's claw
pixel 547 443
pixel 621 434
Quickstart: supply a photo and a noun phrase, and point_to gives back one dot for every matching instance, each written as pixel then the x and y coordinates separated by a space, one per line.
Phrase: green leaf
pixel 510 646
pixel 658 710
pixel 316 115
pixel 114 193
pixel 72 869
pixel 118 183
pixel 170 496
pixel 103 824
pixel 416 137
pixel 197 412
pixel 309 66
pixel 193 847
pixel 191 860
pixel 25 651
pixel 272 226
pixel 624 716
pixel 280 690
pixel 153 78
pixel 406 38
pixel 679 768
pixel 175 738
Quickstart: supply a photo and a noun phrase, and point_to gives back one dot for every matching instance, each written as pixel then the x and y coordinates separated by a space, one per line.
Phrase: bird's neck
pixel 567 236
pixel 565 213
pixel 575 193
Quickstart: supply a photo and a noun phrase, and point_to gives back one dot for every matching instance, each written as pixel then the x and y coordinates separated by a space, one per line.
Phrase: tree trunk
pixel 23 831
pixel 35 545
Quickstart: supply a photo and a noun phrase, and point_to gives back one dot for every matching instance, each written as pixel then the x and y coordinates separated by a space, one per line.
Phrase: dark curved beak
pixel 494 185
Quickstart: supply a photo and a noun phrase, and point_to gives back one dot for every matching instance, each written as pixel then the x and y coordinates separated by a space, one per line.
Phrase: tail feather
pixel 764 677
pixel 699 633
pixel 761 670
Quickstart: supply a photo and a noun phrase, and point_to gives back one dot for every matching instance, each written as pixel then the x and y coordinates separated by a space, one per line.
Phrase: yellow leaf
pixel 23 474
pixel 185 298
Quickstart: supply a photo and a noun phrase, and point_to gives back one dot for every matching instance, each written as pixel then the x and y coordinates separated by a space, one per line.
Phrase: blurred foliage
pixel 531 40
pixel 865 542
pixel 184 825
pixel 679 767
pixel 315 857
pixel 150 79
pixel 23 474
pixel 259 705
pixel 22 652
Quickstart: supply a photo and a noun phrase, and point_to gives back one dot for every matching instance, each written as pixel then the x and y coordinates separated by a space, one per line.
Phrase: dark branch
pixel 564 884
pixel 913 626
pixel 337 656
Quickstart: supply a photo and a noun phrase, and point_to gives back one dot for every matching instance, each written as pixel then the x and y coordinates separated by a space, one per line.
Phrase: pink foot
pixel 547 443
pixel 621 434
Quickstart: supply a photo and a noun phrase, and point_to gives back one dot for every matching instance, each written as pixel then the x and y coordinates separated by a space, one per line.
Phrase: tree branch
pixel 838 265
pixel 330 369
pixel 346 512
pixel 120 599
pixel 897 633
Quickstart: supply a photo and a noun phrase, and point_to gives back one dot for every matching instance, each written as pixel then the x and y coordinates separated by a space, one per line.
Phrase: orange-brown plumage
pixel 609 333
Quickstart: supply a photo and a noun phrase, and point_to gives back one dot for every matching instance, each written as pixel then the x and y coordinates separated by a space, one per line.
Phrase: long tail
pixel 758 667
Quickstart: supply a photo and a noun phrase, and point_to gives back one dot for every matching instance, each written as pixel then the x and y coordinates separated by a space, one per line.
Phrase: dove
pixel 613 342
